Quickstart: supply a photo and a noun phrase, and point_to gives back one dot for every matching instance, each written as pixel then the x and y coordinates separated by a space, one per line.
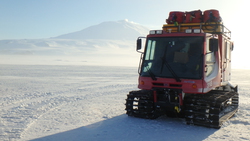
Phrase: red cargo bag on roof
pixel 194 17
pixel 175 16
pixel 212 16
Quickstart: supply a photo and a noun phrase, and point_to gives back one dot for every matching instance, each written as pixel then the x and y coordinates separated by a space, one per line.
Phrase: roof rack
pixel 207 27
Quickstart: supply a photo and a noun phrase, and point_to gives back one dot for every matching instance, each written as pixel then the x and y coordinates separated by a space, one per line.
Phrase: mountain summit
pixel 111 30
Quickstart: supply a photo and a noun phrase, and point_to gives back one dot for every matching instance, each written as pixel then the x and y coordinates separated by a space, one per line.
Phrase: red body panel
pixel 186 84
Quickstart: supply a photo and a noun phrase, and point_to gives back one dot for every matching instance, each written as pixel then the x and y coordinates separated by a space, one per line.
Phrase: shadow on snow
pixel 129 128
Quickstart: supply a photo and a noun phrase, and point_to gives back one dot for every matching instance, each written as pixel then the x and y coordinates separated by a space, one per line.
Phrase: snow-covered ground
pixel 80 102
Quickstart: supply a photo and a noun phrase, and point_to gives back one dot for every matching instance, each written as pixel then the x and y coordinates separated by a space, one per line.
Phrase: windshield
pixel 173 57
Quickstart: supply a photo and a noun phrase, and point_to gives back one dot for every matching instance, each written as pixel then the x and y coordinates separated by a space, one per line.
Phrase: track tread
pixel 207 109
pixel 140 104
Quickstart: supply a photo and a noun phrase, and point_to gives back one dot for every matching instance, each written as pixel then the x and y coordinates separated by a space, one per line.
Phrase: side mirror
pixel 213 45
pixel 138 44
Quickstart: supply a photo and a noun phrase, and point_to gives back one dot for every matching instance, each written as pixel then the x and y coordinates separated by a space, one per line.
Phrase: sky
pixel 36 19
pixel 31 19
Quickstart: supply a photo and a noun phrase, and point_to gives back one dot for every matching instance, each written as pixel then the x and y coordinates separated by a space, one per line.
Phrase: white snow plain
pixel 82 102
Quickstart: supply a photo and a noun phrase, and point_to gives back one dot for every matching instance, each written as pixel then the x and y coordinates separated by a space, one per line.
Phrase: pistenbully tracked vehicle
pixel 185 71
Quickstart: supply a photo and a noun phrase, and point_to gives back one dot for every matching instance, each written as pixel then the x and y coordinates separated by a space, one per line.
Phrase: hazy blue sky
pixel 30 19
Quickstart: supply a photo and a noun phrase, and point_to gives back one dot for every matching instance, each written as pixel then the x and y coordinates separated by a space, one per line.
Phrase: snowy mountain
pixel 111 30
pixel 109 41
pixel 105 35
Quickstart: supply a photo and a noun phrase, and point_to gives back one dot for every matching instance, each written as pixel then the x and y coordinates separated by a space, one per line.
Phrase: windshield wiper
pixel 164 56
pixel 168 66
pixel 152 75
pixel 171 70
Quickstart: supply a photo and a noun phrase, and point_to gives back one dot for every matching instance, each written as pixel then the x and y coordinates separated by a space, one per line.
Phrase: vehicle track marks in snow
pixel 38 101
pixel 21 112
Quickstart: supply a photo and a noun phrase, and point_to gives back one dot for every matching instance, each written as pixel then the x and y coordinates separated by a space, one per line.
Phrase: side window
pixel 150 50
pixel 210 60
pixel 150 55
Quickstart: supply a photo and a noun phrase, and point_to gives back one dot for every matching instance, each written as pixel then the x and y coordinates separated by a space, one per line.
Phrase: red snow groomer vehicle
pixel 185 71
